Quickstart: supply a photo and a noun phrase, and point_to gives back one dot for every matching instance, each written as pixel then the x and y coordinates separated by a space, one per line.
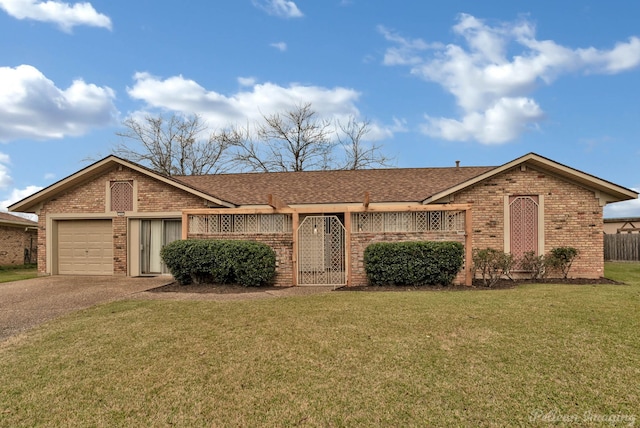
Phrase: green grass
pixel 17 273
pixel 485 358
pixel 626 272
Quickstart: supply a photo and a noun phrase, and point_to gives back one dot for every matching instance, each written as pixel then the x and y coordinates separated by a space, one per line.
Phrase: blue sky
pixel 480 82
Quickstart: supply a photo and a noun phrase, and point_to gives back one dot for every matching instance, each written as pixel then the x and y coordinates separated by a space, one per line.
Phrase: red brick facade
pixel 572 217
pixel 91 198
pixel 15 240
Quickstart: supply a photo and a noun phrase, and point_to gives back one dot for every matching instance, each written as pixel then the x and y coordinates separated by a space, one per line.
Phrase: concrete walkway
pixel 30 302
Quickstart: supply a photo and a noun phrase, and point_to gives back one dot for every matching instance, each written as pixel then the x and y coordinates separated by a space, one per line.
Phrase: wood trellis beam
pixel 276 202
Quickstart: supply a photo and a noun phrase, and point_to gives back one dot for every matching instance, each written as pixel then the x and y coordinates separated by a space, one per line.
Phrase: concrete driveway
pixel 27 303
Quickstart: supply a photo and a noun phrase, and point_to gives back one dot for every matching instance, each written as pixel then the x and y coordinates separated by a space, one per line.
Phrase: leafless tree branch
pixel 172 146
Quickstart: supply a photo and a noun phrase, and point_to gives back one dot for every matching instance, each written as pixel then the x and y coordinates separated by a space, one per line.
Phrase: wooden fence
pixel 622 247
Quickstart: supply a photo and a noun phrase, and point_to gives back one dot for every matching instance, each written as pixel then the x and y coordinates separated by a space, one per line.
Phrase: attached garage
pixel 85 247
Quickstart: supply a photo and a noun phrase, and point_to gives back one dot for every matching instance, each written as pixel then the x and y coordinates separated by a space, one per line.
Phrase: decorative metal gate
pixel 321 251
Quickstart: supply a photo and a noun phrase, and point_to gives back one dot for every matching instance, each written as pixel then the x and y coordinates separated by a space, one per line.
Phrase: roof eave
pixel 615 192
pixel 18 224
pixel 31 203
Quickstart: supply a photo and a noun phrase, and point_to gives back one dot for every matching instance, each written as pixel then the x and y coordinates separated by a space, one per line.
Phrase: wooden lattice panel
pixel 408 221
pixel 214 224
pixel 121 196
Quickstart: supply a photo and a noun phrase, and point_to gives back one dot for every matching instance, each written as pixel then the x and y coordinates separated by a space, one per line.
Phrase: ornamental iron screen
pixel 523 212
pixel 321 251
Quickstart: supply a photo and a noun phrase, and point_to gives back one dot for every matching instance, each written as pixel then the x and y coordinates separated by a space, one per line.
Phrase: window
pixel 121 195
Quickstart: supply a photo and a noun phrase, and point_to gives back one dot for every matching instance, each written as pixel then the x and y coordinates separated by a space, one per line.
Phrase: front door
pixel 321 251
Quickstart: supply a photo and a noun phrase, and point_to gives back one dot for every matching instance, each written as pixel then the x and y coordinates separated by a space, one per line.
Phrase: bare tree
pixel 358 154
pixel 172 146
pixel 297 140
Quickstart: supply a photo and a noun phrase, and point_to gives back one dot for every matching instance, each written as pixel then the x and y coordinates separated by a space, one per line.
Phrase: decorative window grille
pixel 122 196
pixel 213 224
pixel 408 221
pixel 523 219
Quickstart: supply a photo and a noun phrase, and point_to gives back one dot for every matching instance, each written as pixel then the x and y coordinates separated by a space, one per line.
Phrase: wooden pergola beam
pixel 276 202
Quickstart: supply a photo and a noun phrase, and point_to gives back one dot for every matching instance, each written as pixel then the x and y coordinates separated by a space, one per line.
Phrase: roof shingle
pixel 10 218
pixel 323 187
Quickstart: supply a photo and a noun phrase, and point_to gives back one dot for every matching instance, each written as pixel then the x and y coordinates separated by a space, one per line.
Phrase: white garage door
pixel 85 247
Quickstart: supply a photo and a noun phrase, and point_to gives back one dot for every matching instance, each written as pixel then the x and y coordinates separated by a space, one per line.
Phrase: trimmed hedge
pixel 413 263
pixel 247 263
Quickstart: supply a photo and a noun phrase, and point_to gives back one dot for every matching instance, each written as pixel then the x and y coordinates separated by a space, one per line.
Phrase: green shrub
pixel 492 265
pixel 534 264
pixel 561 259
pixel 246 263
pixel 254 264
pixel 413 263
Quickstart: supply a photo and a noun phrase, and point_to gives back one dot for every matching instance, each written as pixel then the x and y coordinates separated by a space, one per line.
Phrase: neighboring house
pixel 18 240
pixel 114 216
pixel 621 225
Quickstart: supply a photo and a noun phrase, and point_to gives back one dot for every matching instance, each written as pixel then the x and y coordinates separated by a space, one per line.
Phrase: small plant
pixel 492 265
pixel 561 259
pixel 534 264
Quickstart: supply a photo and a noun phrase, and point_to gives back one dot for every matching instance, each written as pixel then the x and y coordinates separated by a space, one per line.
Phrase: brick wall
pixel 91 197
pixel 360 241
pixel 13 242
pixel 281 243
pixel 572 215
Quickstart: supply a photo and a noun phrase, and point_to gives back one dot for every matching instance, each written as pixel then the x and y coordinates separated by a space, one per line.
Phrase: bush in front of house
pixel 491 265
pixel 413 263
pixel 247 263
pixel 561 259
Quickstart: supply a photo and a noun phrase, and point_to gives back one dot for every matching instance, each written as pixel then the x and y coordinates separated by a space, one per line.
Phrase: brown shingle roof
pixel 319 187
pixel 10 218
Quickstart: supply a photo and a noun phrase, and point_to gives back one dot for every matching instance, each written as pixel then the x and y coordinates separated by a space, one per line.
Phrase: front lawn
pixel 17 273
pixel 534 355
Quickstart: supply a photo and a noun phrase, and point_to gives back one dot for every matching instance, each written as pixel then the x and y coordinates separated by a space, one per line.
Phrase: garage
pixel 85 247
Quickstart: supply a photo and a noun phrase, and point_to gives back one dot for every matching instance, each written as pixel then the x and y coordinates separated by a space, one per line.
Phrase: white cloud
pixel 281 46
pixel 624 209
pixel 251 103
pixel 64 15
pixel 5 178
pixel 492 88
pixel 500 123
pixel 247 81
pixel 31 106
pixel 17 195
pixel 280 8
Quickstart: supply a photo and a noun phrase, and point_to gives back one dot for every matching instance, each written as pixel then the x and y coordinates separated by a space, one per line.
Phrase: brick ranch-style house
pixel 114 216
pixel 18 240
